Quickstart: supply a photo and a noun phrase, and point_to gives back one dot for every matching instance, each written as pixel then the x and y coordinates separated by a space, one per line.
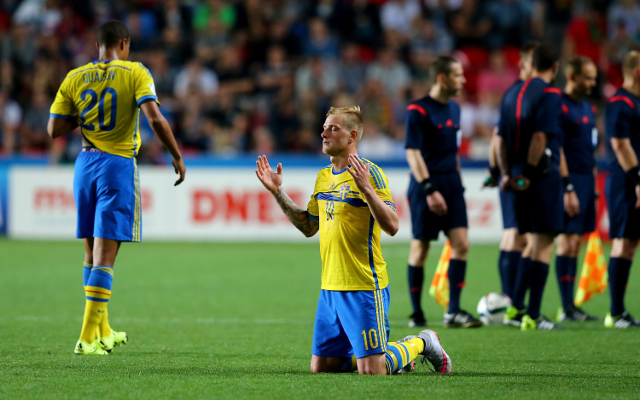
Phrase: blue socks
pixel 539 273
pixel 457 270
pixel 618 276
pixel 508 268
pixel 522 283
pixel 566 273
pixel 416 279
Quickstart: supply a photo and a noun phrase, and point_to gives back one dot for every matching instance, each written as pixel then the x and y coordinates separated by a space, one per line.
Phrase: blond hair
pixel 630 63
pixel 352 118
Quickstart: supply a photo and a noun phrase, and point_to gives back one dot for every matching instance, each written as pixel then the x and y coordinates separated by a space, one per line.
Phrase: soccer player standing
pixel 529 158
pixel 350 205
pixel 513 245
pixel 579 179
pixel 435 194
pixel 104 98
pixel 622 130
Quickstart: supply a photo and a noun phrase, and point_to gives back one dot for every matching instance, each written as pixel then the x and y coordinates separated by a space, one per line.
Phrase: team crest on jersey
pixel 344 191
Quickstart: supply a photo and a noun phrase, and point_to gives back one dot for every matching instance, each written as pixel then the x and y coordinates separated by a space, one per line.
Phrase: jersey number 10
pixel 94 99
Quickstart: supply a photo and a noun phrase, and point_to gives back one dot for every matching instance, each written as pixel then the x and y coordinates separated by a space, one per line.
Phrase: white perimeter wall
pixel 217 204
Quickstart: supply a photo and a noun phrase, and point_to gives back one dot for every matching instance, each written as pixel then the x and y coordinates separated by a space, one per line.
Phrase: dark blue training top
pixel 622 120
pixel 527 107
pixel 434 129
pixel 578 122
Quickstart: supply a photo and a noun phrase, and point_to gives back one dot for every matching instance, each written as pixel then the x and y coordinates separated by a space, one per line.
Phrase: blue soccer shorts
pixel 624 217
pixel 425 224
pixel 585 221
pixel 106 189
pixel 351 322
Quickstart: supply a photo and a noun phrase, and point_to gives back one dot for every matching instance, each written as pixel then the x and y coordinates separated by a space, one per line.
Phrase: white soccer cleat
pixel 434 353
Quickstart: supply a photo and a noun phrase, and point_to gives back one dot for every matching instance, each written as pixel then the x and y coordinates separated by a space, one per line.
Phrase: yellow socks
pixel 400 354
pixel 98 293
pixel 104 329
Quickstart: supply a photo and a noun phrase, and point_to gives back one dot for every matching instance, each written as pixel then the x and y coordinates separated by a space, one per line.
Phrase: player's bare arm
pixel 162 130
pixel 418 167
pixel 571 202
pixel 57 127
pixel 382 213
pixel 272 181
pixel 627 158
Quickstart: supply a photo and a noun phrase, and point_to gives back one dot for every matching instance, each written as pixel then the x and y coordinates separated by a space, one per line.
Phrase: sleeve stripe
pixel 379 180
pixel 373 173
pixel 622 98
pixel 391 205
pixel 314 217
pixel 60 116
pixel 553 90
pixel 417 108
pixel 147 98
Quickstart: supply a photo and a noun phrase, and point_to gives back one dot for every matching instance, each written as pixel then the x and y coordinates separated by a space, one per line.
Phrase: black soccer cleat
pixel 575 314
pixel 461 319
pixel 417 320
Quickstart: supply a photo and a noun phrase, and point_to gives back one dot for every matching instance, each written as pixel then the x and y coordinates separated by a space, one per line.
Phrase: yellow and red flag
pixel 594 276
pixel 439 289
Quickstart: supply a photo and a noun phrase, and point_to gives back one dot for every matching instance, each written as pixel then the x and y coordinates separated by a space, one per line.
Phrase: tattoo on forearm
pixel 296 214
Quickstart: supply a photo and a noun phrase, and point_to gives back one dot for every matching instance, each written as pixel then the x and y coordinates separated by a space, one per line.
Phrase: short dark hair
pixel 574 66
pixel 527 47
pixel 544 57
pixel 630 63
pixel 442 65
pixel 111 33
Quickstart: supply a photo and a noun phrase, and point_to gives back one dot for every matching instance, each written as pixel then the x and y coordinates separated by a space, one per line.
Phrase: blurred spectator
pixel 316 77
pixel 43 15
pixel 351 72
pixel 586 36
pixel 34 136
pixel 511 21
pixel 213 12
pixel 497 77
pixel 469 24
pixel 143 30
pixel 10 119
pixel 399 15
pixel 276 73
pixel 623 23
pixel 431 38
pixel 194 79
pixel 163 76
pixel 550 19
pixel 375 145
pixel 391 72
pixel 365 27
pixel 321 43
pixel 20 47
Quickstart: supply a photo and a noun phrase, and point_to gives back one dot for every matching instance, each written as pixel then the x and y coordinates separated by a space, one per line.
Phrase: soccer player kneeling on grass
pixel 104 98
pixel 350 205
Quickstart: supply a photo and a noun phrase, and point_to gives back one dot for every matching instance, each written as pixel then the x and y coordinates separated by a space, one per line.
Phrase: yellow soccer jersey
pixel 349 236
pixel 107 95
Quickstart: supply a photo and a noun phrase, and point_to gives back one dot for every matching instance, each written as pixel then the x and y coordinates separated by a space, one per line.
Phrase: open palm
pixel 270 179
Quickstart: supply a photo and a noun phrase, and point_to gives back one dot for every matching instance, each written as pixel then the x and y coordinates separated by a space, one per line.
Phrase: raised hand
pixel 360 172
pixel 270 179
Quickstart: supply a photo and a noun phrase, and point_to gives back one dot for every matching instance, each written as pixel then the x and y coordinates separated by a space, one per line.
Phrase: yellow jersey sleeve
pixel 145 88
pixel 312 206
pixel 63 107
pixel 380 184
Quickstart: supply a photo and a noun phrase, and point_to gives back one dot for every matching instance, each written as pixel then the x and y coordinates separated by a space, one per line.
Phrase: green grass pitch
pixel 235 320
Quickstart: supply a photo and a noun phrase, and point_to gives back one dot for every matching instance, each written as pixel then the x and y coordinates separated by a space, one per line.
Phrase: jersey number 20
pixel 92 103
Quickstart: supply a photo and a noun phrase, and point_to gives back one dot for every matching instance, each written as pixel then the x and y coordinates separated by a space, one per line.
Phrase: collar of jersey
pixel 104 62
pixel 333 171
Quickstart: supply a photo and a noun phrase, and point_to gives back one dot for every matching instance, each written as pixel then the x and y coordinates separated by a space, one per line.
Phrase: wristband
pixel 427 187
pixel 530 171
pixel 495 173
pixel 568 186
pixel 634 174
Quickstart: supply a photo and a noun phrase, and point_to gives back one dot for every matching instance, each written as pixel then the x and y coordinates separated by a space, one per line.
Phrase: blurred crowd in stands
pixel 257 76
